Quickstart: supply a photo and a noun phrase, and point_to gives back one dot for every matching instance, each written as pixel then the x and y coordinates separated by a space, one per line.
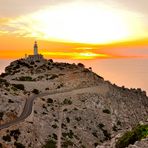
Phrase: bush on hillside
pixel 1 115
pixel 19 86
pixel 35 91
pixel 81 65
pixel 7 138
pixel 50 144
pixel 25 78
pixel 130 137
pixel 19 145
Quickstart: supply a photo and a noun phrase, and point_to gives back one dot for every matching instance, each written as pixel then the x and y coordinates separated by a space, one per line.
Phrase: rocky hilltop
pixel 65 105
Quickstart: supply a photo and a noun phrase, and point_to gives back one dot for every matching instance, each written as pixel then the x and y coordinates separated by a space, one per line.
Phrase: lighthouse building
pixel 36 56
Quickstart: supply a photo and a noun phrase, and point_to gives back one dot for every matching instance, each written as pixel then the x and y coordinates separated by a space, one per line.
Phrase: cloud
pixel 13 8
pixel 29 22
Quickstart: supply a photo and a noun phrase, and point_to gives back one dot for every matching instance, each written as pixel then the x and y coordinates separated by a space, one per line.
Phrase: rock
pixel 80 108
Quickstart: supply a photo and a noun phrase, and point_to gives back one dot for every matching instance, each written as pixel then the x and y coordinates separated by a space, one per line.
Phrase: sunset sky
pixel 74 29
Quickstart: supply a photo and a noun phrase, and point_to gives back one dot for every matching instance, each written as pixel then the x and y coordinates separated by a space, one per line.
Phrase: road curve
pixel 29 103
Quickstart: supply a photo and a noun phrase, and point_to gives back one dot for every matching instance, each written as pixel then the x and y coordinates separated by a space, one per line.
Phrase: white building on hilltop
pixel 35 56
pixel 35 48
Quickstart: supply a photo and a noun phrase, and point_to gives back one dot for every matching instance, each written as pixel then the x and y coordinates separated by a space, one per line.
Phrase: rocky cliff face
pixel 79 109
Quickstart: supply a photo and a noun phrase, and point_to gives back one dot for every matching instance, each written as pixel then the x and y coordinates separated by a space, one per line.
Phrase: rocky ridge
pixel 80 109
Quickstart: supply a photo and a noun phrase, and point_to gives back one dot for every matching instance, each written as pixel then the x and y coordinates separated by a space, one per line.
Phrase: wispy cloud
pixel 79 22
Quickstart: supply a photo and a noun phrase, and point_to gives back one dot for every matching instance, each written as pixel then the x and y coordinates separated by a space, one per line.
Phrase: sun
pixel 79 22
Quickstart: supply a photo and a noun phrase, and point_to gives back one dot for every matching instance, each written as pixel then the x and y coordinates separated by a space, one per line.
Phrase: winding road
pixel 29 104
pixel 26 111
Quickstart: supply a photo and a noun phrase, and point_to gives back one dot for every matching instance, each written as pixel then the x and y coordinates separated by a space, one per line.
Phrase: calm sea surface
pixel 132 73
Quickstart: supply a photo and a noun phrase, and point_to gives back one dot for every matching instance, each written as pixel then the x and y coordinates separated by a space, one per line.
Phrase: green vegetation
pixel 50 144
pixel 67 143
pixel 7 138
pixel 78 118
pixel 15 133
pixel 25 78
pixel 81 65
pixel 107 135
pixel 130 137
pixel 18 86
pixel 95 134
pixel 68 120
pixel 115 128
pixel 53 76
pixel 67 102
pixel 54 126
pixel 101 125
pixel 70 134
pixel 49 100
pixel 1 115
pixel 1 145
pixel 4 82
pixel 19 145
pixel 4 75
pixel 35 91
pixel 107 111
pixel 55 136
pixel 10 101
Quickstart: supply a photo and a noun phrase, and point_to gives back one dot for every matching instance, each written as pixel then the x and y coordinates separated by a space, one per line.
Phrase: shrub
pixel 3 81
pixel 67 143
pixel 15 133
pixel 4 75
pixel 119 122
pixel 115 128
pixel 35 91
pixel 130 137
pixel 78 118
pixel 107 111
pixel 19 145
pixel 67 102
pixel 106 134
pixel 10 101
pixel 25 78
pixel 49 100
pixel 50 144
pixel 7 138
pixel 55 136
pixel 1 115
pixel 70 134
pixel 1 146
pixel 101 125
pixel 68 120
pixel 53 76
pixel 95 134
pixel 54 126
pixel 19 86
pixel 81 65
pixel 50 60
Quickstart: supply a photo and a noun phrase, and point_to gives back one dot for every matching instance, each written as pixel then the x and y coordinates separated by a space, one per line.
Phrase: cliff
pixel 73 106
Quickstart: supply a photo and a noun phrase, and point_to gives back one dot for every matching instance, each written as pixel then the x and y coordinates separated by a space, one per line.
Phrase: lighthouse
pixel 36 56
pixel 35 48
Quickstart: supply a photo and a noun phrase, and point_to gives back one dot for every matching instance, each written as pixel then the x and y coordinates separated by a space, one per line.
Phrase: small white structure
pixel 35 48
pixel 35 56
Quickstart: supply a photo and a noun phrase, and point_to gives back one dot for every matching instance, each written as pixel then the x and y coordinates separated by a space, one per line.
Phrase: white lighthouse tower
pixel 36 56
pixel 35 48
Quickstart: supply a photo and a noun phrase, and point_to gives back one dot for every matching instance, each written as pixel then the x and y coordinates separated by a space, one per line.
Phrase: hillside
pixel 73 106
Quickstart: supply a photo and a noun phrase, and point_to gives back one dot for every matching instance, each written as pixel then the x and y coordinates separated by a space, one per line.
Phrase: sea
pixel 131 73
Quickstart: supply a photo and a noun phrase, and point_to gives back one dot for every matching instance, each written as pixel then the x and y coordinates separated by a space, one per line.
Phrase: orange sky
pixel 17 47
pixel 74 30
